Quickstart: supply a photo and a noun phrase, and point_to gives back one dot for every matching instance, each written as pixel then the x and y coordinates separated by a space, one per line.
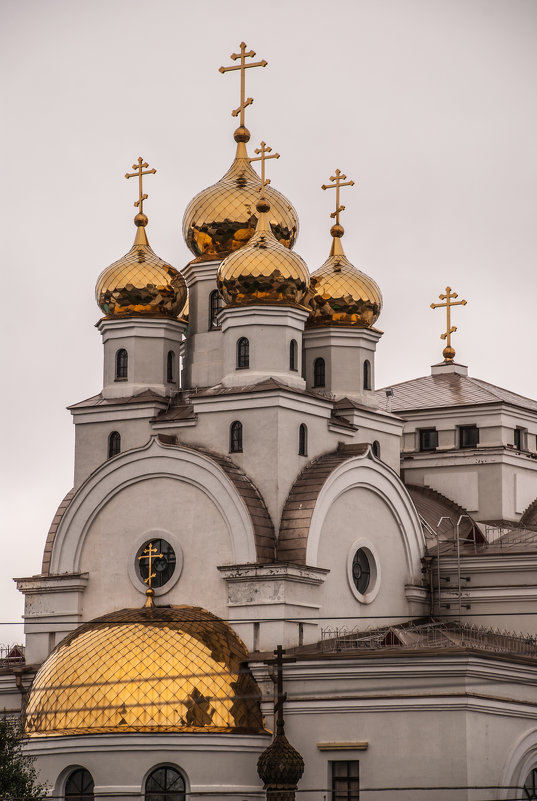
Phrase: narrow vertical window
pixel 170 367
pixel 122 364
pixel 293 355
pixel 79 786
pixel 375 447
pixel 303 440
pixel 235 437
pixel 346 781
pixel 367 374
pixel 243 353
pixel 215 305
pixel 114 444
pixel 319 377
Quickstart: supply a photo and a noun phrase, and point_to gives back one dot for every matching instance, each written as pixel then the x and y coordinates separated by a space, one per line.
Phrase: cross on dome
pixel 139 171
pixel 339 180
pixel 448 353
pixel 243 66
pixel 262 157
pixel 150 553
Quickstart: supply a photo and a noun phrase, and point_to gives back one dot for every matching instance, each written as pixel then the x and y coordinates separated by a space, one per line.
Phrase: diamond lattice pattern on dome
pixel 146 670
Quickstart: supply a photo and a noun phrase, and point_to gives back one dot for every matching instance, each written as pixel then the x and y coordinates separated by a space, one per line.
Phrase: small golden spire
pixel 448 353
pixel 139 171
pixel 262 157
pixel 150 553
pixel 242 134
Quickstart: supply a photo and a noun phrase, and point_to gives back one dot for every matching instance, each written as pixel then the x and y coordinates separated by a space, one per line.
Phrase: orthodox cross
pixel 243 66
pixel 448 352
pixel 263 150
pixel 150 553
pixel 339 181
pixel 279 696
pixel 139 171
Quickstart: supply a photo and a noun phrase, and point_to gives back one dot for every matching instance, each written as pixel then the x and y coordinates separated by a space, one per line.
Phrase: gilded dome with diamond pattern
pixel 156 669
pixel 222 218
pixel 341 294
pixel 264 271
pixel 140 283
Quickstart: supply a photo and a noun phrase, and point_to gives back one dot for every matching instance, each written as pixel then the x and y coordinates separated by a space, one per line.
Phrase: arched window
pixel 319 377
pixel 235 437
pixel 79 786
pixel 215 305
pixel 122 364
pixel 293 355
pixel 170 367
pixel 243 353
pixel 375 447
pixel 165 784
pixel 530 785
pixel 367 374
pixel 114 444
pixel 303 440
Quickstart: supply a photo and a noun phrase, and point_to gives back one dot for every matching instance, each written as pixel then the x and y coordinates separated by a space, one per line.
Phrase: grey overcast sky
pixel 429 105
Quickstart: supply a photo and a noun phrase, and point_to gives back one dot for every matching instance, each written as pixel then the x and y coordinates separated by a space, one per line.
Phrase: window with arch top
pixel 243 353
pixel 235 437
pixel 303 440
pixel 293 355
pixel 122 365
pixel 170 367
pixel 79 786
pixel 367 374
pixel 215 305
pixel 375 447
pixel 319 373
pixel 114 444
pixel 165 783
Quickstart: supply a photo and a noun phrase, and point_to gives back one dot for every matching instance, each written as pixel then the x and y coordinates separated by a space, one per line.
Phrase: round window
pixel 156 557
pixel 361 571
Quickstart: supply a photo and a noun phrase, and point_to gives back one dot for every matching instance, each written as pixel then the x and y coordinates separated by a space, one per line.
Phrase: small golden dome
pixel 341 294
pixel 222 218
pixel 264 271
pixel 157 669
pixel 141 284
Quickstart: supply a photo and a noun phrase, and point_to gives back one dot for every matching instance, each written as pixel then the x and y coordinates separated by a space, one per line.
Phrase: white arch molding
pixel 373 475
pixel 154 460
pixel 520 761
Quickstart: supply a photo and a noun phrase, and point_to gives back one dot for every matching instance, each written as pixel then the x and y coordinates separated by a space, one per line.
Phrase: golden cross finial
pixel 339 181
pixel 262 157
pixel 243 66
pixel 448 353
pixel 150 553
pixel 139 171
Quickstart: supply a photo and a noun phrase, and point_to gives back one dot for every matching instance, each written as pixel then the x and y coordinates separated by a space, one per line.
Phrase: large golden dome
pixel 141 284
pixel 222 218
pixel 341 294
pixel 264 271
pixel 157 669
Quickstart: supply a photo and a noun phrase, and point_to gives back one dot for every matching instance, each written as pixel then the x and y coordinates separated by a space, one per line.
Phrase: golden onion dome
pixel 141 284
pixel 222 218
pixel 264 271
pixel 341 294
pixel 155 669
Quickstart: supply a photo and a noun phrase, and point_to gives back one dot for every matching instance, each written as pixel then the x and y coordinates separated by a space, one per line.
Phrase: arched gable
pixel 250 529
pixel 322 482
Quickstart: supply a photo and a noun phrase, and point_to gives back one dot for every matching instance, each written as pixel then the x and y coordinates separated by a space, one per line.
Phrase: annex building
pixel 240 484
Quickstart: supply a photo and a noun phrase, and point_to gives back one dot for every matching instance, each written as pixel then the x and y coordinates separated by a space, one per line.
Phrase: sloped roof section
pixel 300 503
pixel 451 389
pixel 432 506
pixel 47 553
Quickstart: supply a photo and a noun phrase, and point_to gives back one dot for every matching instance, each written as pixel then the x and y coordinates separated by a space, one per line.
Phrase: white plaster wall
pixel 360 518
pixel 91 442
pixel 178 509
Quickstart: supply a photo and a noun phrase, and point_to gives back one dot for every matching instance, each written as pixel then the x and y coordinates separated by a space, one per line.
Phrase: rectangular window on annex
pixel 428 439
pixel 346 780
pixel 469 436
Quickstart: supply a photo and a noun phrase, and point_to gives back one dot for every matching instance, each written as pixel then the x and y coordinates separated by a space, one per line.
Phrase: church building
pixel 242 488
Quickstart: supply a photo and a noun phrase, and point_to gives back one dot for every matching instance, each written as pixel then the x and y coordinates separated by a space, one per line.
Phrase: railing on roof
pixel 449 634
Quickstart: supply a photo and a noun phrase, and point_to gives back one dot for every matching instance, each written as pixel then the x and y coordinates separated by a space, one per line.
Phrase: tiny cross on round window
pixel 157 561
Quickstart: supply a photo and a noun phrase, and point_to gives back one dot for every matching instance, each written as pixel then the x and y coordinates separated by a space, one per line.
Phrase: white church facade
pixel 240 485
